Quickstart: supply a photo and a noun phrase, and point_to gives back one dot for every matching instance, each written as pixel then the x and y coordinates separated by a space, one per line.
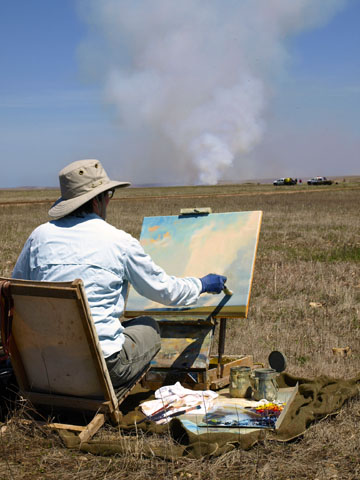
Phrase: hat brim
pixel 63 207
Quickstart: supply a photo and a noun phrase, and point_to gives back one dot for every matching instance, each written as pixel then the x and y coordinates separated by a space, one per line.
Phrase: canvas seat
pixel 55 351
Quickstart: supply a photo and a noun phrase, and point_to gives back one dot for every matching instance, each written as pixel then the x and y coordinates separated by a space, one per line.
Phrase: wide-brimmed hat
pixel 80 182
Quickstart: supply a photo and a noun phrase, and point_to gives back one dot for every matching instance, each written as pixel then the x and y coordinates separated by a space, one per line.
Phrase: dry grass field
pixel 305 301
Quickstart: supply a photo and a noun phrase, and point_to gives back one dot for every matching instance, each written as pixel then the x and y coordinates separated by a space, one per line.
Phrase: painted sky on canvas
pixel 191 92
pixel 189 246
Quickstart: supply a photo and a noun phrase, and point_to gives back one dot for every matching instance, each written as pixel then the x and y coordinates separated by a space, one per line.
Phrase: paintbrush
pixel 166 414
pixel 227 291
pixel 181 412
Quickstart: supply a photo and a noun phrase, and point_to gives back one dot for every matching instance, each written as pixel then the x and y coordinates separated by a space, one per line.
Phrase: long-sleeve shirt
pixel 106 259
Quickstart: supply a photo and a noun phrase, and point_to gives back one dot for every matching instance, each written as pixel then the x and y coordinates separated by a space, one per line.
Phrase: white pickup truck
pixel 319 181
pixel 285 181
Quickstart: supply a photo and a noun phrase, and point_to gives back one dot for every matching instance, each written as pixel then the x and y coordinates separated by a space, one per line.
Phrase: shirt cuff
pixel 199 284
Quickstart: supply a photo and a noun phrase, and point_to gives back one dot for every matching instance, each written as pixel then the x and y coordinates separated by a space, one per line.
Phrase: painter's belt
pixel 6 316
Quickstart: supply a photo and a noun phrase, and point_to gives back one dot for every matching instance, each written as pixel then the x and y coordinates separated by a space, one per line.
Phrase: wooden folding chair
pixel 55 350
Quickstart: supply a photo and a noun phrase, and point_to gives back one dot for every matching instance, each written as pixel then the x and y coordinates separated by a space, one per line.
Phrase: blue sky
pixel 56 59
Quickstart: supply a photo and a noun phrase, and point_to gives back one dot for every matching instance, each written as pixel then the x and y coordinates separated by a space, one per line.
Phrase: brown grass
pixel 309 252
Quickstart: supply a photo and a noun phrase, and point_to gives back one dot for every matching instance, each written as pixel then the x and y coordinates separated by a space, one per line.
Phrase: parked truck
pixel 285 181
pixel 319 181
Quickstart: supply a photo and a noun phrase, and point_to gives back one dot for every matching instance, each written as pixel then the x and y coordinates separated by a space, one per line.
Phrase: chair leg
pixel 96 423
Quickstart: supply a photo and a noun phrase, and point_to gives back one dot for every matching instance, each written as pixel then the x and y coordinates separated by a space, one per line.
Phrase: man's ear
pixel 99 207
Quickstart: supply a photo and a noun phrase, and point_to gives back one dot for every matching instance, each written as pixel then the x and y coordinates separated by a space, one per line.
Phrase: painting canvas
pixel 195 245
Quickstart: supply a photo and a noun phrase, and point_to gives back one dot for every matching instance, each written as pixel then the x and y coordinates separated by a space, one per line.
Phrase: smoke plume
pixel 188 82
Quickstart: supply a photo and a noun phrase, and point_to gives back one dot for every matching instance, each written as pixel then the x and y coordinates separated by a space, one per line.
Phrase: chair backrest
pixel 54 347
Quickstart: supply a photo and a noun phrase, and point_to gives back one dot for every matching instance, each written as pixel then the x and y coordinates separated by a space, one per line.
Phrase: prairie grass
pixel 305 300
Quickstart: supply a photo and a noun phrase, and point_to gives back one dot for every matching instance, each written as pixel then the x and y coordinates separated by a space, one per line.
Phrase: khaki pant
pixel 142 342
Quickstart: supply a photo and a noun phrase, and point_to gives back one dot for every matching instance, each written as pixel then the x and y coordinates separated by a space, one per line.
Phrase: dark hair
pixel 86 208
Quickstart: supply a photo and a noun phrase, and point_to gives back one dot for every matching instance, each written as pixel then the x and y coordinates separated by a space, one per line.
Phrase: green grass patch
pixel 344 253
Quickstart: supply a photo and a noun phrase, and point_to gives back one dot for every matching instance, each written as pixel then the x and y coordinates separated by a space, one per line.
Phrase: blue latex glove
pixel 212 283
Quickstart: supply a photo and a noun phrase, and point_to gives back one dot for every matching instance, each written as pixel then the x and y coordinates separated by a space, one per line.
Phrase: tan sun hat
pixel 79 182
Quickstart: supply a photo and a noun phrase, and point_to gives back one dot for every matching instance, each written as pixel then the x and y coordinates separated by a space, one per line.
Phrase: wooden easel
pixel 187 333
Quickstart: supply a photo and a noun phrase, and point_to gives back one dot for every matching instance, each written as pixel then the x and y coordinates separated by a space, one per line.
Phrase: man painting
pixel 79 243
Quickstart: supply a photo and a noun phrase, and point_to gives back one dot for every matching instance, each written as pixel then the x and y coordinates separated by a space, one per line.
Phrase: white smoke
pixel 194 75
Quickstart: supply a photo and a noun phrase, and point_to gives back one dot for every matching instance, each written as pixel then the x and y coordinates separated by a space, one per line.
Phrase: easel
pixel 187 333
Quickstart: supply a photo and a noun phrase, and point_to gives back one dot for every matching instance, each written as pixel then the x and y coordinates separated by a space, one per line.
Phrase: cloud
pixel 190 82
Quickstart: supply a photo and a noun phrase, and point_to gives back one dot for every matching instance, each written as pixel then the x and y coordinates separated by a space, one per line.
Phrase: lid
pixel 277 361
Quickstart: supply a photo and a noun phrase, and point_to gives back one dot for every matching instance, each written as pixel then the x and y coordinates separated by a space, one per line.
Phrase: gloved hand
pixel 212 283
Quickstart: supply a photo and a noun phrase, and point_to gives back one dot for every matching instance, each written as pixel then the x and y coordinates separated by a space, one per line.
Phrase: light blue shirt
pixel 106 260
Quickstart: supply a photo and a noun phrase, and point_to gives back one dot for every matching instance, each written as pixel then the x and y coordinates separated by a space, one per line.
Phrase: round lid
pixel 277 361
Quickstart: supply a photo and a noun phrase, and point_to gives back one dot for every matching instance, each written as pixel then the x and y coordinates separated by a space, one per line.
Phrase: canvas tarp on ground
pixel 316 399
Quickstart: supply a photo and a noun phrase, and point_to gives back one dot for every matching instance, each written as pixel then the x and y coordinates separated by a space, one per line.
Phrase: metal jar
pixel 240 382
pixel 265 384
